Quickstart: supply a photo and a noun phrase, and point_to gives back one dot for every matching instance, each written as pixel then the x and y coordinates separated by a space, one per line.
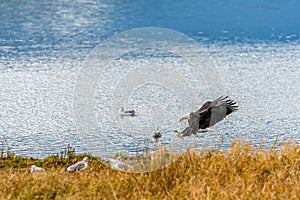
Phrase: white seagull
pixel 35 169
pixel 79 166
pixel 123 112
pixel 117 164
pixel 156 134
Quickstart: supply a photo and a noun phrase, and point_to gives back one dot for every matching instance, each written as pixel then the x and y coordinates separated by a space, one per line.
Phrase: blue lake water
pixel 254 46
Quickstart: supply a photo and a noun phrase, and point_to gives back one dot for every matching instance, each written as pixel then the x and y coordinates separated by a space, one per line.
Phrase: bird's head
pixel 85 159
pixel 121 109
pixel 32 168
pixel 186 116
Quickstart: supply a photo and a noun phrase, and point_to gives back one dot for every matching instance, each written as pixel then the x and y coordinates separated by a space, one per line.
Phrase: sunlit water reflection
pixel 37 115
pixel 43 45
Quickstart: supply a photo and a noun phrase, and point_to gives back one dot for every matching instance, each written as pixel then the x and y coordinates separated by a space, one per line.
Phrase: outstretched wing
pixel 205 107
pixel 213 112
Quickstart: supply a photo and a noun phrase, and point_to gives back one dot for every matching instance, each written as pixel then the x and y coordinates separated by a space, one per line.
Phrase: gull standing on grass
pixel 79 166
pixel 35 169
pixel 117 164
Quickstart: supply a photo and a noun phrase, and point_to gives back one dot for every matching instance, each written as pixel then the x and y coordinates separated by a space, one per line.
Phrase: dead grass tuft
pixel 243 172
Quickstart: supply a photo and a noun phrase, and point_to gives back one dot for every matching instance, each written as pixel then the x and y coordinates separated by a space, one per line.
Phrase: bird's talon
pixel 179 134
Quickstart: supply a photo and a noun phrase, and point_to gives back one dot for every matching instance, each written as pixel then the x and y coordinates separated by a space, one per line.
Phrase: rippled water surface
pixel 43 47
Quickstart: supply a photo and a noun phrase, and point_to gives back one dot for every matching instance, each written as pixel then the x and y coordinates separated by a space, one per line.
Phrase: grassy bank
pixel 242 172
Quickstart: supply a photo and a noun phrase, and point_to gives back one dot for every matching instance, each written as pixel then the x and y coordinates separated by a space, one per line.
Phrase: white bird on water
pixel 123 112
pixel 79 166
pixel 35 169
pixel 156 134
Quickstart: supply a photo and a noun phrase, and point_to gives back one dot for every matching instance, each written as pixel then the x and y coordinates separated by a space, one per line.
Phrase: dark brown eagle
pixel 210 113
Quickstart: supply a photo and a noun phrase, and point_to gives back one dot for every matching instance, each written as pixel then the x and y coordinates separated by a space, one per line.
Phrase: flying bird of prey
pixel 79 166
pixel 124 112
pixel 210 113
pixel 35 169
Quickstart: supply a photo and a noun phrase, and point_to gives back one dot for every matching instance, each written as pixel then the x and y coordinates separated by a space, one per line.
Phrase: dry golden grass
pixel 239 173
